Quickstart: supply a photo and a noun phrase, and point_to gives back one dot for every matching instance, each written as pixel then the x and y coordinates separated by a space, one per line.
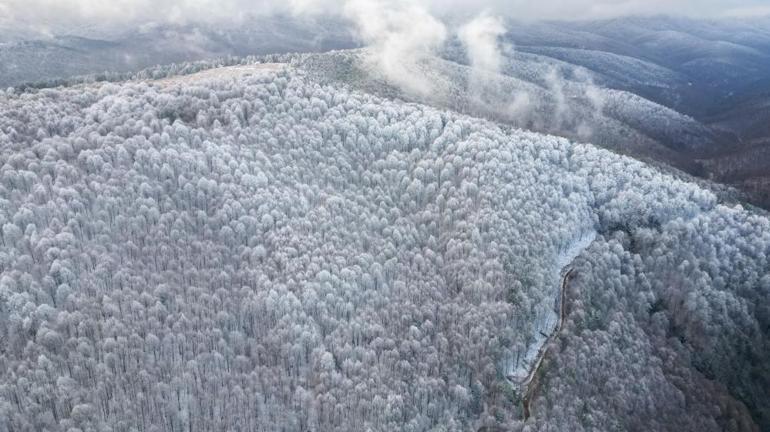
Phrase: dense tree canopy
pixel 270 254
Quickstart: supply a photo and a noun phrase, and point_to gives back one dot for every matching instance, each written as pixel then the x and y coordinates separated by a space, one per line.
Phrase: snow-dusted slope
pixel 710 75
pixel 517 369
pixel 239 72
pixel 537 94
pixel 271 253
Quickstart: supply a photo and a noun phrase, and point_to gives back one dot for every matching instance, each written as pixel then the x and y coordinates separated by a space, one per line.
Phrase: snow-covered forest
pixel 272 254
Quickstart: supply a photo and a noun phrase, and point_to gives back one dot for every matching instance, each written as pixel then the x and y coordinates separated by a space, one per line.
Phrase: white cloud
pixel 748 11
pixel 400 35
pixel 480 38
pixel 588 9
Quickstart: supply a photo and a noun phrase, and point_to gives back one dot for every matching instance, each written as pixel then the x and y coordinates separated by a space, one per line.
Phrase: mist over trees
pixel 269 254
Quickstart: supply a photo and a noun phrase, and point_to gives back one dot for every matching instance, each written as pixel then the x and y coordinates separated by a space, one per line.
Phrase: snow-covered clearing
pixel 227 72
pixel 548 312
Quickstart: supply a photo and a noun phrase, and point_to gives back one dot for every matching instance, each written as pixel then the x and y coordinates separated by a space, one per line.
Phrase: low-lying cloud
pixel 480 39
pixel 399 36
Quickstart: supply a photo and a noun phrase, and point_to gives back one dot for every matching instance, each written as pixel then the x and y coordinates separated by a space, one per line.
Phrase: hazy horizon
pixel 47 17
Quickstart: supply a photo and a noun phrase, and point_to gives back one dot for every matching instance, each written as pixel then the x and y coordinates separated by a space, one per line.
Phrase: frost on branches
pixel 265 253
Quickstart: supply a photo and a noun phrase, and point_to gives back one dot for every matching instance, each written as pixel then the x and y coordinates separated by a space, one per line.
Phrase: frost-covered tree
pixel 271 254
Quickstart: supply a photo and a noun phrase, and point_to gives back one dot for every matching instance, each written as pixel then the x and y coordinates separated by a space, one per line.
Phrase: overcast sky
pixel 64 13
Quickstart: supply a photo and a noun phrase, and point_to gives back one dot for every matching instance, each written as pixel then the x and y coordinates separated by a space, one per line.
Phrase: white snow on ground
pixel 548 311
pixel 227 72
pixel 574 248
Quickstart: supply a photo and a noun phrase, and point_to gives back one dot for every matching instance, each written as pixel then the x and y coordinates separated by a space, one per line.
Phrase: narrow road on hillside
pixel 530 383
pixel 523 373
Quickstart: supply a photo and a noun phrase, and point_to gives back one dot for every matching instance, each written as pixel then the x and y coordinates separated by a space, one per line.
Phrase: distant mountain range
pixel 70 54
pixel 717 72
pixel 689 93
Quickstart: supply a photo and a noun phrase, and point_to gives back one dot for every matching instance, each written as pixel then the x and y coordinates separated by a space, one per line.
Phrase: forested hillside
pixel 713 70
pixel 257 251
pixel 689 93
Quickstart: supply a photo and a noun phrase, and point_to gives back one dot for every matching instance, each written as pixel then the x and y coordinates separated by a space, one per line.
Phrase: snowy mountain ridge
pixel 263 251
